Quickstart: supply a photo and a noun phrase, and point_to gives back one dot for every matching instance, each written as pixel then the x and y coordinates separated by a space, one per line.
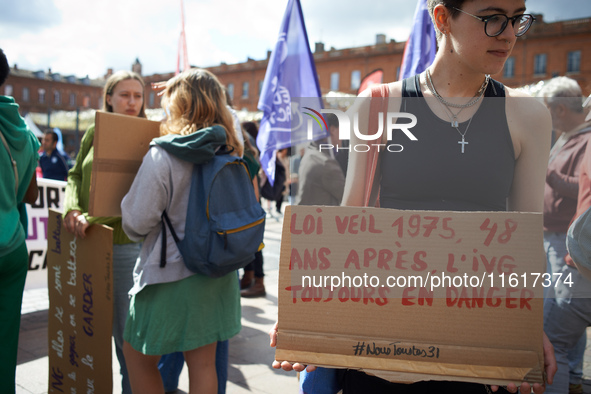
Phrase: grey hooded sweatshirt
pixel 163 183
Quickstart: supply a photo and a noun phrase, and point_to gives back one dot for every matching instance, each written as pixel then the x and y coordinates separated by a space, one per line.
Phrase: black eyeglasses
pixel 496 24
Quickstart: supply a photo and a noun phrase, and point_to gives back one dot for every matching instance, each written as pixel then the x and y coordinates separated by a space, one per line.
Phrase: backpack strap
pixel 14 167
pixel 172 232
pixel 371 180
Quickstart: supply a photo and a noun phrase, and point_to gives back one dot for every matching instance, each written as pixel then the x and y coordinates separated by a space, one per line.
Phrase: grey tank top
pixel 433 174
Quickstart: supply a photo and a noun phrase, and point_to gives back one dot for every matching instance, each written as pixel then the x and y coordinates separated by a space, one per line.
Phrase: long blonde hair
pixel 194 100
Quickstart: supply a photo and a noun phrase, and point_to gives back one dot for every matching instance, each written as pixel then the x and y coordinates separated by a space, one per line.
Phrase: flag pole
pixel 182 47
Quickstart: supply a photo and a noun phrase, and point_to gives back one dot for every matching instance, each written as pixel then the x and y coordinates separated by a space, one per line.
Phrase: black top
pixel 433 173
pixel 356 382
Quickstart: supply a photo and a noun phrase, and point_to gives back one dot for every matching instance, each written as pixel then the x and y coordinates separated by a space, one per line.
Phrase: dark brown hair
pixel 4 67
pixel 449 4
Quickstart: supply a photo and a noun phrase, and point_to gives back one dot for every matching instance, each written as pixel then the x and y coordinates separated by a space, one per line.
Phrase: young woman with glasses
pixel 472 154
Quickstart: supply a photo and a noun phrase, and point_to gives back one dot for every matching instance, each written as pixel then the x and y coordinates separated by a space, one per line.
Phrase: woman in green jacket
pixel 123 94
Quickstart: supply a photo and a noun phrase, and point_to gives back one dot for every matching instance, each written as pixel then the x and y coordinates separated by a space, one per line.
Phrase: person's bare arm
pixel 531 127
pixel 255 184
pixel 32 191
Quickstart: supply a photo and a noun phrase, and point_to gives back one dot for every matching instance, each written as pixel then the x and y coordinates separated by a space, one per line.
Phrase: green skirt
pixel 184 315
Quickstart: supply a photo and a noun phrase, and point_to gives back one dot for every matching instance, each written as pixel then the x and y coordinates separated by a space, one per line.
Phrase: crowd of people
pixel 483 147
pixel 144 364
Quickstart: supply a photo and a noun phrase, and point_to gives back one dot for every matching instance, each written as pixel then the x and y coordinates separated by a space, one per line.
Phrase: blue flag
pixel 421 46
pixel 291 73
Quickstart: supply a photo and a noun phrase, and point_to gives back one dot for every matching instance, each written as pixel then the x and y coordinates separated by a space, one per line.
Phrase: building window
pixel 509 70
pixel 72 99
pixel 540 64
pixel 573 63
pixel 151 100
pixel 334 81
pixel 8 90
pixel 231 91
pixel 56 97
pixel 260 87
pixel 244 90
pixel 355 79
pixel 41 95
pixel 86 101
pixel 25 94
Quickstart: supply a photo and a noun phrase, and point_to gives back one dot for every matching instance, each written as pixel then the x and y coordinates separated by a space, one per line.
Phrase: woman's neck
pixel 453 79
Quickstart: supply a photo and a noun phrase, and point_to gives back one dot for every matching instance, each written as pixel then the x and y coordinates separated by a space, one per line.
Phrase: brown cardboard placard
pixel 486 329
pixel 120 143
pixel 80 308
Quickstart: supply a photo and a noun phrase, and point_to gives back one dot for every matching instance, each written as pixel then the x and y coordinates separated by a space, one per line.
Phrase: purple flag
pixel 421 46
pixel 291 73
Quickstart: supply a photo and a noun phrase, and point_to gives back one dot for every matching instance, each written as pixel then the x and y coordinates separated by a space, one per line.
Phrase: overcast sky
pixel 85 37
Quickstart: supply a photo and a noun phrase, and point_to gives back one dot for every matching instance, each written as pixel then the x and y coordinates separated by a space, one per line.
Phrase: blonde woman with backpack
pixel 173 309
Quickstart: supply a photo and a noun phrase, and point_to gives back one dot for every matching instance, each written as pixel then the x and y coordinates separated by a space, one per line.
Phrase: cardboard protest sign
pixel 51 195
pixel 413 295
pixel 120 143
pixel 80 309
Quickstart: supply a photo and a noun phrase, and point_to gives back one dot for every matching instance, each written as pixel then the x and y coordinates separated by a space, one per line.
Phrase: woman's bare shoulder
pixel 524 101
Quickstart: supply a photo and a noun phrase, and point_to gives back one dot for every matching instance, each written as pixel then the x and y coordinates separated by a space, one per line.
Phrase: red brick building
pixel 547 50
pixel 46 92
pixel 41 91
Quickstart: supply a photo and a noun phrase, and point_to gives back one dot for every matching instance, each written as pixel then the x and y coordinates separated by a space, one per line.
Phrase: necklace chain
pixel 454 121
pixel 446 106
pixel 455 125
pixel 476 98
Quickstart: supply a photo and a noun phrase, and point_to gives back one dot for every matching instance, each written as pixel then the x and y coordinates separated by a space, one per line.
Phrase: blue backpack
pixel 225 222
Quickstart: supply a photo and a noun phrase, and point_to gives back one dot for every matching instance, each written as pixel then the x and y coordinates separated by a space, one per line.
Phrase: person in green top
pixel 18 185
pixel 123 94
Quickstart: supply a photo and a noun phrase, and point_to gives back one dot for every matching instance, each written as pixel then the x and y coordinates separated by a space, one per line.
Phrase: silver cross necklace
pixel 446 106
